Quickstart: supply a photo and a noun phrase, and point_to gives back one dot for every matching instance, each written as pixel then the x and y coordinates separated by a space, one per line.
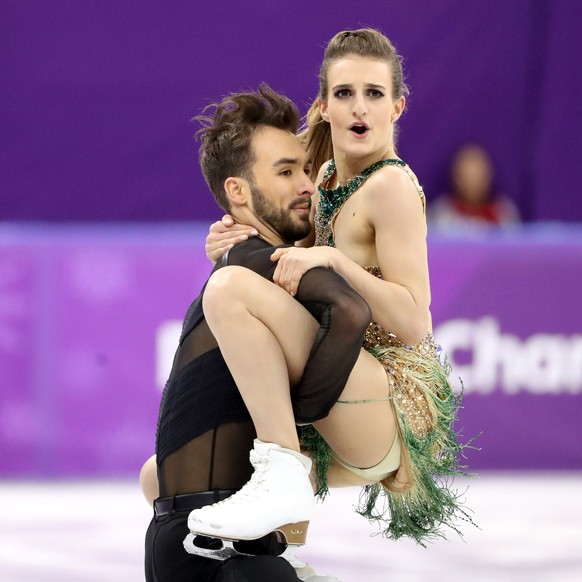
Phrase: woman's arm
pixel 224 234
pixel 400 301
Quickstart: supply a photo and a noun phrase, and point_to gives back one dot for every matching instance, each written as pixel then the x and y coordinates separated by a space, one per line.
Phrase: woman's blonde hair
pixel 364 42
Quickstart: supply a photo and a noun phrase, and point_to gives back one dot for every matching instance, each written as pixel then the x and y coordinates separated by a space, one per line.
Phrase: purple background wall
pixel 97 95
pixel 95 103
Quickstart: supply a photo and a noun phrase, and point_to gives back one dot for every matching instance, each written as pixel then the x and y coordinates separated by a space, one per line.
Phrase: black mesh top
pixel 204 431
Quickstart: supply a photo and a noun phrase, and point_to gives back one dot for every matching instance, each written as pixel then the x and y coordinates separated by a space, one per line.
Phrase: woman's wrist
pixel 334 259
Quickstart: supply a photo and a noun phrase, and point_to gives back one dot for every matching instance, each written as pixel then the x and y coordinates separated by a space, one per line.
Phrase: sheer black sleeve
pixel 343 316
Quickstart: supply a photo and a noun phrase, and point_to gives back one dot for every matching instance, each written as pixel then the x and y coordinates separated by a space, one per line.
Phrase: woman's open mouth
pixel 359 129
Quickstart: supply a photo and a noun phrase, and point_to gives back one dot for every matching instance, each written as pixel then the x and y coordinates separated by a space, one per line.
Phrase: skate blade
pixel 292 534
pixel 273 544
pixel 223 553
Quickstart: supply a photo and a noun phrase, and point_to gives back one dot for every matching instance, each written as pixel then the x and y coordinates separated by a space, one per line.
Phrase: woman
pixel 391 428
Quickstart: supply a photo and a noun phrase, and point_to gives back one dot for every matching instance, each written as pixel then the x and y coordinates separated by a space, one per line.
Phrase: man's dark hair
pixel 225 148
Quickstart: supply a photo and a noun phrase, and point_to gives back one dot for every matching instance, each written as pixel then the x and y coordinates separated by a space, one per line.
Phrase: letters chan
pixel 485 359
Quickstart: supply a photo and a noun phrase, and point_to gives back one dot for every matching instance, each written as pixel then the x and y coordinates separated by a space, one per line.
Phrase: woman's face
pixel 360 107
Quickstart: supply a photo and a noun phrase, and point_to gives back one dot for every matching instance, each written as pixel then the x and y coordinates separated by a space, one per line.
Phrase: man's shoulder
pixel 246 252
pixel 243 249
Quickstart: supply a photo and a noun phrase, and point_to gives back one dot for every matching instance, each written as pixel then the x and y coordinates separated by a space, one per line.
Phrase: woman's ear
pixel 398 110
pixel 323 110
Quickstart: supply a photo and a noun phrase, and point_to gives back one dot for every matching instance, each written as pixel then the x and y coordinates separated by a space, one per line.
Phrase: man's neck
pixel 266 232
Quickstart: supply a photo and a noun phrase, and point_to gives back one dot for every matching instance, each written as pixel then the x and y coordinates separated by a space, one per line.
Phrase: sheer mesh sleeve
pixel 343 316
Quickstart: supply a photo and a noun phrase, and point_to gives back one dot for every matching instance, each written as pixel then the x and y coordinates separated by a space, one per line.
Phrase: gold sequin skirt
pixel 418 498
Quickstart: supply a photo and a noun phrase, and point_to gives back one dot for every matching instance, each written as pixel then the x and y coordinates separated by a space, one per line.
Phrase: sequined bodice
pixel 410 400
pixel 331 201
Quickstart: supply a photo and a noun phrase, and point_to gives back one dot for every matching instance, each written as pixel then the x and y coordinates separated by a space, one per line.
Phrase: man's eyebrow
pixel 286 162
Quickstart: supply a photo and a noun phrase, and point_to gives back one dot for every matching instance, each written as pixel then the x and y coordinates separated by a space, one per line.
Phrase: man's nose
pixel 307 187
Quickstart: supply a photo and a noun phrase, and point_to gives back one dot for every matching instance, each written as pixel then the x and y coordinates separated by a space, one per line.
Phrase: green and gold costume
pixel 417 500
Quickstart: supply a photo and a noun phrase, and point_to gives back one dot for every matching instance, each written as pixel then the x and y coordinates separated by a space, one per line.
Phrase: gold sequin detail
pixel 405 381
pixel 402 377
pixel 323 230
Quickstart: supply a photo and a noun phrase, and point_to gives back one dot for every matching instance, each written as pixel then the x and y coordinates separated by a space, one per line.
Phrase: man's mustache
pixel 301 202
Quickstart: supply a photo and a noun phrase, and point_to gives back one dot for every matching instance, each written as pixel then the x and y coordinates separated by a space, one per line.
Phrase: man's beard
pixel 279 219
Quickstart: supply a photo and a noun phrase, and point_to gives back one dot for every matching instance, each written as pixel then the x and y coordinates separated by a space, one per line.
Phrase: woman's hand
pixel 224 234
pixel 294 262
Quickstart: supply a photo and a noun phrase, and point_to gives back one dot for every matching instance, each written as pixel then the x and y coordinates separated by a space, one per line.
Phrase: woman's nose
pixel 359 106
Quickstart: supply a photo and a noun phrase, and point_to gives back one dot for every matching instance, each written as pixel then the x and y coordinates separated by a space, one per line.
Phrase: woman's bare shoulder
pixel 392 185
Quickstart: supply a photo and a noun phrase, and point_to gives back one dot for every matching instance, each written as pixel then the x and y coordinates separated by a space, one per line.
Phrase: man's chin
pixel 295 234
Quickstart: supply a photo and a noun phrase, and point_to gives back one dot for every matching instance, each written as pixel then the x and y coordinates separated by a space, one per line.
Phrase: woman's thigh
pixel 362 433
pixel 292 326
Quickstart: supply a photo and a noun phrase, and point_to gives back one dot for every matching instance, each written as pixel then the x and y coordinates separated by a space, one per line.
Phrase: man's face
pixel 281 189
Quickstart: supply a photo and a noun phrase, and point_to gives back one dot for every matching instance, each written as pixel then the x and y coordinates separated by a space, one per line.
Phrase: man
pixel 258 172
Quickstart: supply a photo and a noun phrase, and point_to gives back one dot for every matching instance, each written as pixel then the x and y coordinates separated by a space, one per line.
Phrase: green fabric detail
pixel 431 503
pixel 365 400
pixel 320 453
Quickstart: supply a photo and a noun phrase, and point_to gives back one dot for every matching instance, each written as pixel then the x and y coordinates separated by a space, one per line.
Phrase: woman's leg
pixel 265 337
pixel 362 433
pixel 148 480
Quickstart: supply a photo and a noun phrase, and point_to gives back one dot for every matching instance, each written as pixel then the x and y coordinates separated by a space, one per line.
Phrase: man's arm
pixel 343 317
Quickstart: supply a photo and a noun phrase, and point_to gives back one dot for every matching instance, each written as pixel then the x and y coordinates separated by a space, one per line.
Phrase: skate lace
pixel 255 483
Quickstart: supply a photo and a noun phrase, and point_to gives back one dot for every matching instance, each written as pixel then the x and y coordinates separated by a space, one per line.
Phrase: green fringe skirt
pixel 419 499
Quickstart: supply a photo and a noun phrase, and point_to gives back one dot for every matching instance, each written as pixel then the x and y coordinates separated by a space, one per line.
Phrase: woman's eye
pixel 342 93
pixel 285 173
pixel 375 93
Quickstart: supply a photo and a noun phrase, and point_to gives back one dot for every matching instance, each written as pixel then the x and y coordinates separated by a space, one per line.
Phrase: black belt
pixel 189 501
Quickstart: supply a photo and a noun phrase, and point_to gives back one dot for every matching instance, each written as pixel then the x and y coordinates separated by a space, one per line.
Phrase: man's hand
pixel 224 234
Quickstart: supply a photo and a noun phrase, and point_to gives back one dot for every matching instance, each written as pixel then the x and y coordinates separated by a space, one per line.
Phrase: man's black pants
pixel 166 560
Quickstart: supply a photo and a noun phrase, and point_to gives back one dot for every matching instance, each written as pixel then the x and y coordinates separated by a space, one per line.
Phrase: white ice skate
pixel 278 498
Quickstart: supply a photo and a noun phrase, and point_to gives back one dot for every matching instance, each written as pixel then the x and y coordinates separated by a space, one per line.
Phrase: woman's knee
pixel 223 291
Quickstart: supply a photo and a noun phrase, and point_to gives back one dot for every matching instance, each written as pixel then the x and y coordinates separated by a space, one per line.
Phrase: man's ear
pixel 236 191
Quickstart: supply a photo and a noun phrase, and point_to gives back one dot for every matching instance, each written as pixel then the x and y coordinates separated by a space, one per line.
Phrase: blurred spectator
pixel 472 200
